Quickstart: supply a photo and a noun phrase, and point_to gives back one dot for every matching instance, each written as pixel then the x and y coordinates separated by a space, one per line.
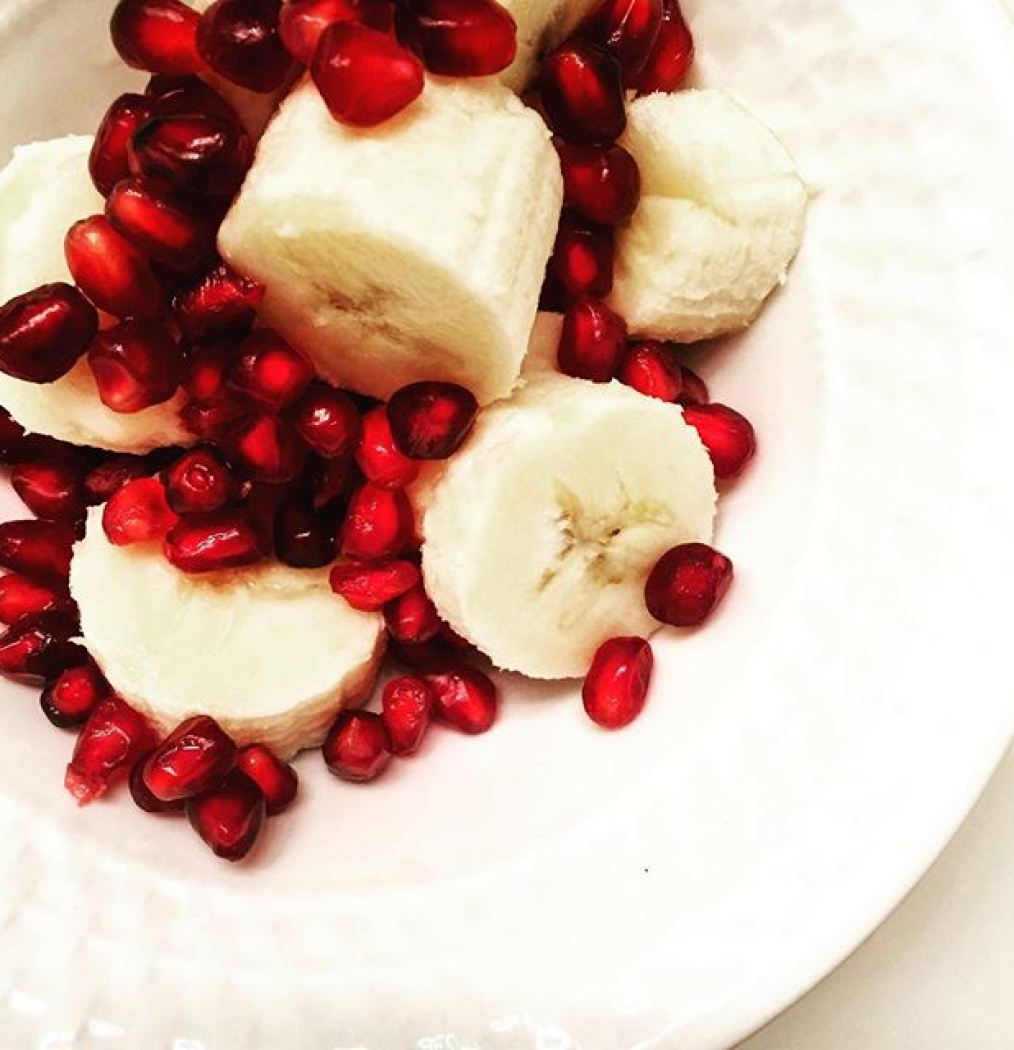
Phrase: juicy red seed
pixel 205 370
pixel 464 697
pixel 332 482
pixel 136 364
pixel 142 797
pixel 421 657
pixel 21 596
pixel 107 162
pixel 221 305
pixel 728 437
pixel 39 549
pixel 50 489
pixel 195 757
pixel 378 524
pixel 628 29
pixel 357 748
pixel 112 739
pixel 12 438
pixel 230 818
pixel 107 478
pixel 302 22
pixel 138 513
pixel 196 153
pixel 239 41
pixel 114 275
pixel 602 183
pixel 429 420
pixel 225 539
pixel 70 698
pixel 369 586
pixel 379 457
pixel 199 482
pixel 277 780
pixel 156 35
pixel 269 372
pixel 211 420
pixel 695 390
pixel 266 447
pixel 365 76
pixel 582 93
pixel 303 539
pixel 412 617
pixel 406 707
pixel 45 331
pixel 34 645
pixel 174 95
pixel 672 56
pixel 617 683
pixel 686 584
pixel 592 341
pixel 649 368
pixel 582 257
pixel 464 38
pixel 328 421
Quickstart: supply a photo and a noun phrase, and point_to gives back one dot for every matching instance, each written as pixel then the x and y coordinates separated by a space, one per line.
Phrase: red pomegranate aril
pixel 303 538
pixel 142 797
pixel 39 549
pixel 22 596
pixel 205 370
pixel 429 420
pixel 221 305
pixel 265 447
pixel 602 183
pixel 332 482
pixel 378 524
pixel 175 95
pixel 464 38
pixel 464 697
pixel 412 617
pixel 592 341
pixel 406 708
pixel 369 586
pixel 195 757
pixel 379 457
pixel 159 36
pixel 728 436
pixel 107 478
pixel 198 482
pixel 239 41
pixel 328 421
pixel 224 539
pixel 211 420
pixel 136 364
pixel 357 748
pixel 70 698
pixel 582 257
pixel 616 686
pixel 649 368
pixel 107 161
pixel 112 739
pixel 269 372
pixel 695 390
pixel 138 513
pixel 669 62
pixel 30 645
pixel 51 489
pixel 277 780
pixel 686 584
pixel 628 29
pixel 230 818
pixel 365 76
pixel 582 93
pixel 44 332
pixel 302 22
pixel 12 438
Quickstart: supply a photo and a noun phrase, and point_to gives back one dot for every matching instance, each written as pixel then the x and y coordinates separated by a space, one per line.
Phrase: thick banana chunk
pixel 540 533
pixel 542 24
pixel 43 191
pixel 267 651
pixel 720 219
pixel 411 251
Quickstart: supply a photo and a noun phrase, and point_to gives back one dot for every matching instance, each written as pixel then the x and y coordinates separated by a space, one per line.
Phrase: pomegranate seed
pixel 70 698
pixel 650 370
pixel 303 539
pixel 142 797
pixel 50 489
pixel 239 41
pixel 225 539
pixel 411 617
pixel 357 748
pixel 276 779
pixel 211 420
pixel 686 584
pixel 464 38
pixel 670 60
pixel 617 683
pixel 195 757
pixel 379 457
pixel 21 596
pixel 136 364
pixel 422 656
pixel 266 447
pixel 328 421
pixel 407 706
pixel 138 513
pixel 464 697
pixel 184 95
pixel 582 93
pixel 205 370
pixel 230 818
pixel 301 22
pixel 728 437
pixel 34 646
pixel 695 390
pixel 107 478
pixel 195 153
pixel 592 341
pixel 332 482
pixel 583 257
pixel 199 482
pixel 112 739
pixel 269 372
pixel 378 524
pixel 45 331
pixel 364 75
pixel 429 420
pixel 107 162
pixel 12 438
pixel 40 549
pixel 156 35
pixel 627 29
pixel 369 586
pixel 221 305
pixel 602 183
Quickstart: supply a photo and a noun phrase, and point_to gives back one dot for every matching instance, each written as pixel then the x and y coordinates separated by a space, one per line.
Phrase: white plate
pixel 803 759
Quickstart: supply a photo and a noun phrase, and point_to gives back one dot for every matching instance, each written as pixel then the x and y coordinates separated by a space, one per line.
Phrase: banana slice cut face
pixel 542 24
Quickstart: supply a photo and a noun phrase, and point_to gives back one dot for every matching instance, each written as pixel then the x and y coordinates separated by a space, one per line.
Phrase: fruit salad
pixel 356 331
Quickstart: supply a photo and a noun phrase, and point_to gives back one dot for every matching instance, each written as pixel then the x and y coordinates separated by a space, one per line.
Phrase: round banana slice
pixel 269 651
pixel 540 533
pixel 720 219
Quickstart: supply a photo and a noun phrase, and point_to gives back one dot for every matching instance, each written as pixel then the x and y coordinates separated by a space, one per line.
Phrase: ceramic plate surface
pixel 802 761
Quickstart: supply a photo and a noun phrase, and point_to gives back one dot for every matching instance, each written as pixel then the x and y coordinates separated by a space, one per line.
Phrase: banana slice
pixel 268 651
pixel 539 534
pixel 542 24
pixel 720 219
pixel 411 251
pixel 43 191
pixel 543 345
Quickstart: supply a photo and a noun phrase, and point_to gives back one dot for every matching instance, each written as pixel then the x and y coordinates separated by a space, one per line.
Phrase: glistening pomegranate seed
pixel 582 93
pixel 407 708
pixel 71 697
pixel 617 683
pixel 265 447
pixel 464 697
pixel 112 739
pixel 22 596
pixel 378 524
pixel 221 305
pixel 44 332
pixel 175 95
pixel 194 758
pixel 331 483
pixel 138 513
pixel 199 481
pixel 628 29
pixel 582 257
pixel 672 56
pixel 225 539
pixel 230 818
pixel 686 584
pixel 276 779
pixel 464 38
pixel 369 586
pixel 602 183
pixel 239 41
pixel 302 22
pixel 52 489
pixel 649 368
pixel 136 364
pixel 269 372
pixel 159 36
pixel 429 420
pixel 695 390
pixel 592 341
pixel 39 549
pixel 142 797
pixel 412 617
pixel 357 748
pixel 107 161
pixel 379 457
pixel 206 369
pixel 212 420
pixel 102 481
pixel 328 421
pixel 303 538
pixel 728 436
pixel 36 645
